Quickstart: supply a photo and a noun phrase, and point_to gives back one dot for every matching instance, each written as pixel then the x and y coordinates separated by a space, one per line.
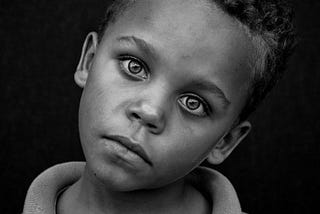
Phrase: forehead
pixel 191 34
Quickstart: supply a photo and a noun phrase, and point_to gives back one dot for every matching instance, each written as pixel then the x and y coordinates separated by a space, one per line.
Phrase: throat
pixel 179 197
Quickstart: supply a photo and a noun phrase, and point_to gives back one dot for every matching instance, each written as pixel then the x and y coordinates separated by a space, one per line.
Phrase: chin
pixel 115 178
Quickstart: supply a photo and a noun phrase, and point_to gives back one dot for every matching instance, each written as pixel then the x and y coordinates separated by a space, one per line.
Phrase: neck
pixel 88 195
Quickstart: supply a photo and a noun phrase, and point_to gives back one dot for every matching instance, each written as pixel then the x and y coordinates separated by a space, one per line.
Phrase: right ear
pixel 88 51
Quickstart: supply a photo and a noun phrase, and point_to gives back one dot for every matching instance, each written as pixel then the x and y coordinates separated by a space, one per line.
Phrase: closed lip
pixel 130 145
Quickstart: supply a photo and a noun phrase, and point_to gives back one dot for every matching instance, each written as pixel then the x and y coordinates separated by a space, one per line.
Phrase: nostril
pixel 151 126
pixel 135 115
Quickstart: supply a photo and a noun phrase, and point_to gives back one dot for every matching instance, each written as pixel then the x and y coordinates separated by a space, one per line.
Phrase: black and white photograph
pixel 159 106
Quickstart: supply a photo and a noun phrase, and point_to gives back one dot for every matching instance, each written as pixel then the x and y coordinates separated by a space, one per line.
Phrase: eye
pixel 194 104
pixel 133 67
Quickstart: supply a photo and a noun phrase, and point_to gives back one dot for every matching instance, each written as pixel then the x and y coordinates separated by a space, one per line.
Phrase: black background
pixel 275 170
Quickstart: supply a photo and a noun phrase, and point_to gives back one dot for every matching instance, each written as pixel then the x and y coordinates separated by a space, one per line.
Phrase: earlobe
pixel 87 54
pixel 230 141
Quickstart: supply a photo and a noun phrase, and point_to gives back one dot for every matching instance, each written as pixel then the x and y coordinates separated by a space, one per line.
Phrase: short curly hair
pixel 270 25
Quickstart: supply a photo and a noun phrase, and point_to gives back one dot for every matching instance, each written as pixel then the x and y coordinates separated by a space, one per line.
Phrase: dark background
pixel 276 169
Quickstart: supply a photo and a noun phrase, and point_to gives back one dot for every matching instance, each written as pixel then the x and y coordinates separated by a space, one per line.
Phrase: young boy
pixel 167 84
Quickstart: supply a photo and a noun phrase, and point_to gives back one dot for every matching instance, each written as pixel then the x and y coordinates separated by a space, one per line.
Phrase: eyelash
pixel 125 68
pixel 202 103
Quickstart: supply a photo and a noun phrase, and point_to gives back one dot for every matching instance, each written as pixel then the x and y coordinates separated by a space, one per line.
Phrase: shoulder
pixel 217 189
pixel 43 191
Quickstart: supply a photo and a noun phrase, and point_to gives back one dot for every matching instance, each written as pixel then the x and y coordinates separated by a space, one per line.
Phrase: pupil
pixel 192 103
pixel 134 67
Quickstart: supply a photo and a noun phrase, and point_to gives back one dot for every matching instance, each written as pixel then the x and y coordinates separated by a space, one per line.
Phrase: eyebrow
pixel 207 85
pixel 201 84
pixel 140 43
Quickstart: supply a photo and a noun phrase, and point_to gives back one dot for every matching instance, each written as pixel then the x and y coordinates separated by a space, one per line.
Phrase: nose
pixel 148 115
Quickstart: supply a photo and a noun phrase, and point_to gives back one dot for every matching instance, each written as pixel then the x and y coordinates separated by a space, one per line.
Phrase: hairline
pixel 257 61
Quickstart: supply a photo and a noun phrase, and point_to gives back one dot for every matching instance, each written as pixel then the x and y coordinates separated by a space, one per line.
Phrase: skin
pixel 150 107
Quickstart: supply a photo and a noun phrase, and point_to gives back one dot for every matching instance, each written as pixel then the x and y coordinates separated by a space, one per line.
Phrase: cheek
pixel 102 89
pixel 198 145
pixel 180 152
pixel 199 138
pixel 189 145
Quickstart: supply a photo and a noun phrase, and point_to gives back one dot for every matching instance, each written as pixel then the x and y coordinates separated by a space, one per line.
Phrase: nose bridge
pixel 156 96
pixel 149 107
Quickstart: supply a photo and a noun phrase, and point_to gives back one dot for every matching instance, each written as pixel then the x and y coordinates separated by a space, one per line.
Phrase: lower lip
pixel 119 152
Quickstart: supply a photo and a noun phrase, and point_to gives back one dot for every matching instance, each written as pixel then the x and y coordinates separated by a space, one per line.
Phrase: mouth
pixel 130 145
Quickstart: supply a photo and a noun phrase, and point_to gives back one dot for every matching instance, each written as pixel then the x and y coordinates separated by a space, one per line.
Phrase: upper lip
pixel 130 145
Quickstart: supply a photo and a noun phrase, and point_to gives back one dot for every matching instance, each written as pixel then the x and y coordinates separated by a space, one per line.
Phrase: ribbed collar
pixel 42 194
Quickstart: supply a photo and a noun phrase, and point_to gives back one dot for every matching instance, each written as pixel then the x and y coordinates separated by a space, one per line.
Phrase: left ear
pixel 226 145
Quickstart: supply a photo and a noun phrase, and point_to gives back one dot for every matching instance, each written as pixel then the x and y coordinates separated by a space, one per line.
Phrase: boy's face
pixel 172 77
